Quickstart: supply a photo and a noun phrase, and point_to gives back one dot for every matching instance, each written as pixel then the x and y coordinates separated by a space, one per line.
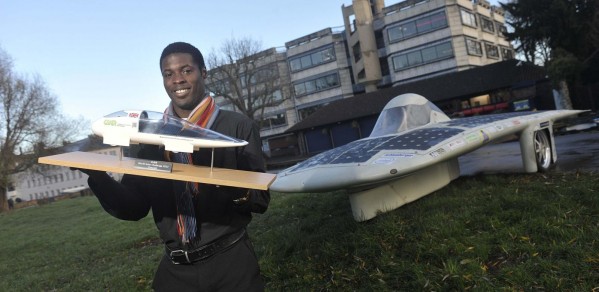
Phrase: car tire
pixel 543 151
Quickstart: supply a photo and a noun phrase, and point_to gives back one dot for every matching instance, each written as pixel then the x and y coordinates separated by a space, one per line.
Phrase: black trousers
pixel 235 269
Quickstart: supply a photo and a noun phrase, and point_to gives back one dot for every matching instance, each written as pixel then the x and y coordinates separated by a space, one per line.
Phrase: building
pixel 262 78
pixel 377 47
pixel 418 39
pixel 48 181
pixel 514 87
pixel 319 74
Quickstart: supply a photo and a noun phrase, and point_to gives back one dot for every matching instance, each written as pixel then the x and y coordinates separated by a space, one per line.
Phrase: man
pixel 202 226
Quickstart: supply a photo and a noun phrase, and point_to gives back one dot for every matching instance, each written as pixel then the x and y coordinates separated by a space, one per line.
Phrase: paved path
pixel 578 151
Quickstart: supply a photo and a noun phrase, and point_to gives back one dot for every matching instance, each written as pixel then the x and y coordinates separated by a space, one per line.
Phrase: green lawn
pixel 494 232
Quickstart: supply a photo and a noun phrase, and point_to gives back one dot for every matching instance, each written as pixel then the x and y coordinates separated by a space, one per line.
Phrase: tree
pixel 564 31
pixel 30 123
pixel 248 77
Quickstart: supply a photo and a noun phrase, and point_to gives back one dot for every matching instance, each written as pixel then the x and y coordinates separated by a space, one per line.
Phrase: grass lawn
pixel 483 233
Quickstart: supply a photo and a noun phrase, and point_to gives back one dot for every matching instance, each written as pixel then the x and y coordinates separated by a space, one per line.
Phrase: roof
pixel 465 83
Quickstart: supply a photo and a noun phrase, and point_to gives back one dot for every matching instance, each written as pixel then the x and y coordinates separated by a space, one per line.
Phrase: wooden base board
pixel 182 172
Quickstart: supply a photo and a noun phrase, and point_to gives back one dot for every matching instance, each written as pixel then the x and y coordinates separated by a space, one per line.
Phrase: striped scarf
pixel 185 192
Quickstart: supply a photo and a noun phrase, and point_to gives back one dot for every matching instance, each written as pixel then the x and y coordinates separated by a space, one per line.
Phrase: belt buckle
pixel 178 253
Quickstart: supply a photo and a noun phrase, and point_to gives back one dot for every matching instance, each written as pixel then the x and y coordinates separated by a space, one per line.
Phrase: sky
pixel 101 56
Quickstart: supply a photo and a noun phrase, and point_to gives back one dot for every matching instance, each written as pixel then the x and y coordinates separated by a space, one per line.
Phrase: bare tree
pixel 250 78
pixel 29 123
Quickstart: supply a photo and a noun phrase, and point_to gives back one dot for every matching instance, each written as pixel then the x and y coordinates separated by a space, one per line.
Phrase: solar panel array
pixel 418 140
pixel 362 150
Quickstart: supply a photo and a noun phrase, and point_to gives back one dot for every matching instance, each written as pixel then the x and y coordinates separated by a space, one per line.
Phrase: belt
pixel 203 252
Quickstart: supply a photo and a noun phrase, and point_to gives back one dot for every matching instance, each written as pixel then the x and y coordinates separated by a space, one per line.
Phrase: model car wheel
pixel 543 151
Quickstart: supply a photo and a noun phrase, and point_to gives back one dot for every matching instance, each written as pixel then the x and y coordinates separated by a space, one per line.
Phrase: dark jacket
pixel 216 213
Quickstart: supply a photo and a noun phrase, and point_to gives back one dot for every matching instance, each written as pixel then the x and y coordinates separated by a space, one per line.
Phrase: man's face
pixel 183 81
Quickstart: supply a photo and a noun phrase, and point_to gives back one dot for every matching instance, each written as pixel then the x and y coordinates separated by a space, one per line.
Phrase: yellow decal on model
pixel 110 122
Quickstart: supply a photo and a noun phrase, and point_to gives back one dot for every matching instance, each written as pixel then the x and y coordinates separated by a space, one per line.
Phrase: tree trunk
pixel 564 101
pixel 3 200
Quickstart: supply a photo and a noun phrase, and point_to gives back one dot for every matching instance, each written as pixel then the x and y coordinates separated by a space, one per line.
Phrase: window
pixel 361 74
pixel 327 55
pixel 317 58
pixel 310 86
pixel 300 89
pixel 312 59
pixel 295 64
pixel 356 49
pixel 473 47
pixel 403 31
pixel 487 24
pixel 305 112
pixel 507 53
pixel 468 18
pixel 394 33
pixel 423 24
pixel 438 20
pixel 262 75
pixel 220 86
pixel 465 104
pixel 274 121
pixel 416 27
pixel 306 61
pixel 400 62
pixel 321 83
pixel 429 53
pixel 315 85
pixel 422 56
pixel 277 96
pixel 444 50
pixel 329 81
pixel 492 51
pixel 243 78
pixel 274 98
pixel 415 58
pixel 501 28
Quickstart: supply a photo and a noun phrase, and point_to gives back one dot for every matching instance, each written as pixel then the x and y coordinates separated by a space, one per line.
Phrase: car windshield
pixel 398 119
pixel 159 123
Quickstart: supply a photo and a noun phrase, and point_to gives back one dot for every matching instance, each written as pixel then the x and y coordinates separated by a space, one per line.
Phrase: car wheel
pixel 543 153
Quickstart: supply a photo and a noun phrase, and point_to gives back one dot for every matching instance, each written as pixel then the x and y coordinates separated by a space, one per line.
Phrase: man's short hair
pixel 181 47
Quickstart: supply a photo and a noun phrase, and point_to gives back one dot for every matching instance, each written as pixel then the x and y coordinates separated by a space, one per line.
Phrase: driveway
pixel 578 151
